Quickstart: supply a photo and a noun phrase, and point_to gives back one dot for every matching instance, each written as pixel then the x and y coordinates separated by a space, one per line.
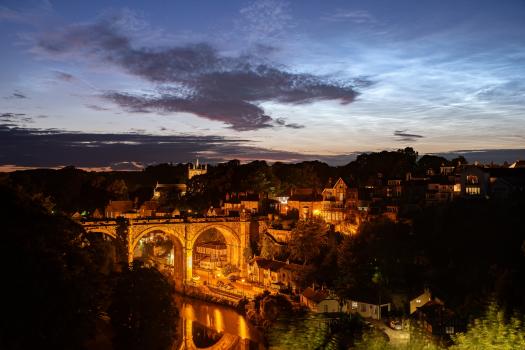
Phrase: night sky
pixel 122 84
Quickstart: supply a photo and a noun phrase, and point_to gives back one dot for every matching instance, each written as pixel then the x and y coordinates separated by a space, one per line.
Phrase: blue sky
pixel 270 79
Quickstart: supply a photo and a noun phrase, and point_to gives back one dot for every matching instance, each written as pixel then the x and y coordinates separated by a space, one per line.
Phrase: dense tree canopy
pixel 50 291
pixel 143 313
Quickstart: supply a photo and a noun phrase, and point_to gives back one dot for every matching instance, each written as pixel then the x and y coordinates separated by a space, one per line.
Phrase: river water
pixel 203 325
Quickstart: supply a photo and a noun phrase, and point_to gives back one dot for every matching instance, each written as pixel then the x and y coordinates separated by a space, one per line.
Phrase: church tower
pixel 196 169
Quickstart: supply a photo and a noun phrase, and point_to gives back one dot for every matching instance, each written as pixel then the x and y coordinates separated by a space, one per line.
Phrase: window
pixel 473 190
pixel 472 180
pixel 363 308
pixel 354 305
pixel 449 330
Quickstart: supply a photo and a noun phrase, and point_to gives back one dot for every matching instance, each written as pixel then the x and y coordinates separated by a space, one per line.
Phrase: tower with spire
pixel 196 169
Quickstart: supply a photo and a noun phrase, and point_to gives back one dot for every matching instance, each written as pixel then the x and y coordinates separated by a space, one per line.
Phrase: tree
pixel 143 313
pixel 50 292
pixel 122 242
pixel 118 189
pixel 378 260
pixel 307 239
pixel 493 331
pixel 267 248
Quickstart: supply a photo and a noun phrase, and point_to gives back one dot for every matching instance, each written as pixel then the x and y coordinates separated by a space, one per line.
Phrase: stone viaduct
pixel 184 232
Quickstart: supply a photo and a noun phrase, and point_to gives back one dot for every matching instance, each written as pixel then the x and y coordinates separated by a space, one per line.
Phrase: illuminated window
pixel 354 305
pixel 449 330
pixel 472 179
pixel 473 190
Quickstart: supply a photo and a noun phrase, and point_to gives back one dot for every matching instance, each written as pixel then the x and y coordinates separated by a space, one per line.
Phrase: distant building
pixel 196 169
pixel 517 164
pixel 117 209
pixel 367 308
pixel 280 235
pixel 162 191
pixel 440 189
pixel 320 301
pixel 333 209
pixel 148 208
pixel 235 203
pixel 306 201
pixel 273 274
pixel 420 300
pixel 437 320
pixel 500 183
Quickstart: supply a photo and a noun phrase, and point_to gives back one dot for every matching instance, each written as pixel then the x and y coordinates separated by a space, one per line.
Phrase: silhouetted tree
pixel 50 291
pixel 307 239
pixel 143 312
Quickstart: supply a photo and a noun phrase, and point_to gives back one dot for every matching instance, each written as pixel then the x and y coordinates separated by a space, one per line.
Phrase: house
pixel 306 201
pixel 420 300
pixel 273 273
pixel 320 301
pixel 367 307
pixel 394 188
pixel 517 164
pixel 439 190
pixel 148 208
pixel 163 191
pixel 281 236
pixel 117 209
pixel 264 271
pixel 242 202
pixel 500 183
pixel 335 198
pixel 97 214
pixel 437 320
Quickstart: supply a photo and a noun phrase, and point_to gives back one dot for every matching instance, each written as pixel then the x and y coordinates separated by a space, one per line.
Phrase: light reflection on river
pixel 204 325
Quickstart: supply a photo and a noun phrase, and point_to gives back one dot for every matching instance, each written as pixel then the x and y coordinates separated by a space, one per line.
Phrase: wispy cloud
pixel 64 76
pixel 354 16
pixel 200 80
pixel 17 95
pixel 403 135
pixel 97 108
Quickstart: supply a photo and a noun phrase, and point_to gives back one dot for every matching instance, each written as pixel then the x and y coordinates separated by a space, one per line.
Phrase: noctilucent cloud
pixel 107 83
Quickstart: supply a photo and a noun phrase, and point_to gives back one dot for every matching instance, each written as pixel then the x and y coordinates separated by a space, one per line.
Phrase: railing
pixel 173 220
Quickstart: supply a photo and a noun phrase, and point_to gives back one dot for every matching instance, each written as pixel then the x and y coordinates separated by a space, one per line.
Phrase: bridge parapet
pixel 185 232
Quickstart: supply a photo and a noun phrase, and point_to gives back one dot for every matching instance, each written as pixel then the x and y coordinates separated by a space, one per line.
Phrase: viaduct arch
pixel 184 233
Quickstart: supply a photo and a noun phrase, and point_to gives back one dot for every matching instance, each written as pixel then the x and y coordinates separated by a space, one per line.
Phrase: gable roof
pixel 268 264
pixel 316 296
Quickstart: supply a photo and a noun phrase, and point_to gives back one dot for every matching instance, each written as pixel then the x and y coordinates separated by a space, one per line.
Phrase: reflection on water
pixel 208 326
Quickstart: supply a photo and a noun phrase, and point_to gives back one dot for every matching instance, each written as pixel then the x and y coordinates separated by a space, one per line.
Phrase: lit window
pixel 472 179
pixel 473 190
pixel 449 330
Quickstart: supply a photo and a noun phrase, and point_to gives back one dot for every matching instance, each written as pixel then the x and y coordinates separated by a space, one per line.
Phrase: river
pixel 203 325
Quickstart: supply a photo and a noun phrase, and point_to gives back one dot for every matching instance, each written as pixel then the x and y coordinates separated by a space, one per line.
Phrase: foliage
pixel 298 333
pixel 376 340
pixel 51 291
pixel 122 242
pixel 229 269
pixel 143 313
pixel 307 238
pixel 492 331
pixel 378 258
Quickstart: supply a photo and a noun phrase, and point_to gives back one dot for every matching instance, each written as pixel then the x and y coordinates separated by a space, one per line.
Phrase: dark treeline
pixel 70 189
pixel 59 286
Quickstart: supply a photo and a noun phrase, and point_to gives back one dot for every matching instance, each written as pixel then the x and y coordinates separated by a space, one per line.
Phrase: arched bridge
pixel 184 234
